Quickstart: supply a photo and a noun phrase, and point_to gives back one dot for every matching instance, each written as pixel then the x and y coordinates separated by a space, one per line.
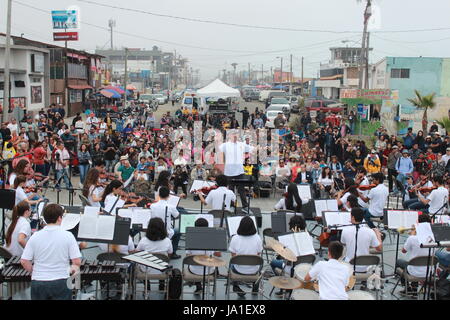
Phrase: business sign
pixel 65 19
pixel 374 94
pixel 65 36
pixel 348 93
pixel 360 108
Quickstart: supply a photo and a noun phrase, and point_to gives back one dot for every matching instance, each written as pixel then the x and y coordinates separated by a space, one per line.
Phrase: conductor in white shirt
pixel 234 162
pixel 47 255
pixel 158 210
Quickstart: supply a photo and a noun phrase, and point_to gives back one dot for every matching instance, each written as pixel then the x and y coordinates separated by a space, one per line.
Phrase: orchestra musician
pixel 19 185
pixel 332 275
pixel 362 180
pixel 291 200
pixel 113 197
pixel 438 198
pixel 19 231
pixel 412 247
pixel 92 189
pixel 377 199
pixel 166 212
pixel 414 203
pixel 342 196
pixel 367 238
pixel 215 198
pixel 47 255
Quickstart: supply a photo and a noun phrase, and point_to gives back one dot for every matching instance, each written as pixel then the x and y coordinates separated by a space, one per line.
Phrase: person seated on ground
pixel 332 275
pixel 247 241
pixel 412 247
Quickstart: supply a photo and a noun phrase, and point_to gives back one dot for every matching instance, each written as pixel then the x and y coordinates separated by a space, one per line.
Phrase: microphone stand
pixel 223 210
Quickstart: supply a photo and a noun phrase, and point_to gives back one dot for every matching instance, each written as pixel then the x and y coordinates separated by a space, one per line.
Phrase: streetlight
pixel 281 70
pixel 234 64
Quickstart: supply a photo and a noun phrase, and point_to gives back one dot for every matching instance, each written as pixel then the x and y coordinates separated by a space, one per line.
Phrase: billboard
pixel 65 36
pixel 65 19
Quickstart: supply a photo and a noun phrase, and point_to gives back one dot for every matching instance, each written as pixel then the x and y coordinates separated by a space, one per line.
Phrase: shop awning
pixel 79 86
pixel 110 93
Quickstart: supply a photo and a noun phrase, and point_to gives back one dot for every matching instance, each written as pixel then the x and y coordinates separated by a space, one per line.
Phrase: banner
pixel 65 19
pixel 65 36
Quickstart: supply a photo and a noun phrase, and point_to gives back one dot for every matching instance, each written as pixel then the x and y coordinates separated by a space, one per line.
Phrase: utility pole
pixel 281 72
pixel 272 75
pixel 262 74
pixel 367 15
pixel 234 64
pixel 290 76
pixel 6 86
pixel 66 80
pixel 125 79
pixel 366 82
pixel 249 76
pixel 301 90
pixel 111 24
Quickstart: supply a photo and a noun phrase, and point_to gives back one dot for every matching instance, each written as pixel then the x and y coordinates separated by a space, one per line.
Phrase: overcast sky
pixel 221 45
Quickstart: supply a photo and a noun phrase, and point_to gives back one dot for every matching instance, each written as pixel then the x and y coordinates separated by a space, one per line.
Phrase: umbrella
pixel 109 93
pixel 280 87
pixel 122 91
pixel 116 89
pixel 131 87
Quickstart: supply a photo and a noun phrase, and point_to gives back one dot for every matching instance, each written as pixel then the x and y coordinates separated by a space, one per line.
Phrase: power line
pixel 248 25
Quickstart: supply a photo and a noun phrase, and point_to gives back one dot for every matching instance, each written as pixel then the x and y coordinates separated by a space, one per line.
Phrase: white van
pixel 264 95
pixel 191 99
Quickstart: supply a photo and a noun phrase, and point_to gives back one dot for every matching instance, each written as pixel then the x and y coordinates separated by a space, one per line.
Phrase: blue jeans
pixel 83 171
pixel 414 204
pixel 50 290
pixel 443 257
pixel 401 177
pixel 109 165
pixel 65 174
pixel 352 127
pixel 275 263
pixel 367 216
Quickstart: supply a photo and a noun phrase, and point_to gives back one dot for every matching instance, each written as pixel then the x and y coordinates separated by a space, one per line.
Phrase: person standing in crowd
pixel 84 160
pixel 47 255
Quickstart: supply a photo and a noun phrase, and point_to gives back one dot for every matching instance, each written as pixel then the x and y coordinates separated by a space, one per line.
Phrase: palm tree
pixel 445 123
pixel 423 102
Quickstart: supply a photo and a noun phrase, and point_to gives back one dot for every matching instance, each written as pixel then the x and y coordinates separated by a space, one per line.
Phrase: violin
pixel 205 190
pixel 366 187
pixel 427 189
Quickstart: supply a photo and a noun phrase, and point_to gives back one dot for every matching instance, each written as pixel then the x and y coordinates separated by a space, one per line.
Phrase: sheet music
pixel 199 184
pixel 126 213
pixel 233 223
pixel 304 243
pixel 333 218
pixel 424 233
pixel 321 205
pixel 141 216
pixel 410 218
pixel 88 226
pixel 92 211
pixel 105 227
pixel 332 205
pixel 288 241
pixel 304 191
pixel 188 220
pixel 174 200
pixel 442 219
pixel 40 208
pixel 401 219
pixel 70 221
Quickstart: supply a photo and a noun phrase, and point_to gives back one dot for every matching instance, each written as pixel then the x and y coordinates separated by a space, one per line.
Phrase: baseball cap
pixel 405 151
pixel 395 147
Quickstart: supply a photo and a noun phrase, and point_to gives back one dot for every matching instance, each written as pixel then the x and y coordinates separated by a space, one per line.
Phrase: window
pixel 400 73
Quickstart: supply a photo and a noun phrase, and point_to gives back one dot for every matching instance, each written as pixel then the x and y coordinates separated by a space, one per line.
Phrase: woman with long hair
pixel 325 182
pixel 19 231
pixel 92 189
pixel 111 197
pixel 83 157
pixel 162 181
pixel 19 185
pixel 291 200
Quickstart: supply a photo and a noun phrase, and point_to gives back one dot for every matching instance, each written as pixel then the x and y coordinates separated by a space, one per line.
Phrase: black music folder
pixel 203 238
pixel 441 232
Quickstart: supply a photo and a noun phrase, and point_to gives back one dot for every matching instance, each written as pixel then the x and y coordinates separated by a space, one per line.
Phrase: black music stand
pixel 280 220
pixel 208 239
pixel 8 197
pixel 121 233
pixel 245 181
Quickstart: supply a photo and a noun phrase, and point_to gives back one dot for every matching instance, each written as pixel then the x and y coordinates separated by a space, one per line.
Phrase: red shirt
pixel 39 155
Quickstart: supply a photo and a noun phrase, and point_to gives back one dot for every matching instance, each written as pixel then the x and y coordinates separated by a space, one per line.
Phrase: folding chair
pixel 244 260
pixel 148 277
pixel 218 216
pixel 364 260
pixel 188 276
pixel 117 258
pixel 267 233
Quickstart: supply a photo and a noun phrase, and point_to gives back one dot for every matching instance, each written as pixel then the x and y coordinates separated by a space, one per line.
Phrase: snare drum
pixel 300 272
pixel 360 295
pixel 304 294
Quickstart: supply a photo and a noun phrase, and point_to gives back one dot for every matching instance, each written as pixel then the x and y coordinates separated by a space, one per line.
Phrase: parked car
pixel 271 115
pixel 280 102
pixel 250 94
pixel 162 99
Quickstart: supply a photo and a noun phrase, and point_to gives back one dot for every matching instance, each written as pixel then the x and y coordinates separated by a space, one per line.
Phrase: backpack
pixel 175 284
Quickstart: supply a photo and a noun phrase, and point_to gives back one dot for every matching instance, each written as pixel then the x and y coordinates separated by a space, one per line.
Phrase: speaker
pixel 8 197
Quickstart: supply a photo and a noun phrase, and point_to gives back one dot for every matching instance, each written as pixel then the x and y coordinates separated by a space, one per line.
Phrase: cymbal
pixel 283 251
pixel 285 283
pixel 208 261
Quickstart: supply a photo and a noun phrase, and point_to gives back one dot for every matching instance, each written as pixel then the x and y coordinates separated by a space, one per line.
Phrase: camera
pixel 57 156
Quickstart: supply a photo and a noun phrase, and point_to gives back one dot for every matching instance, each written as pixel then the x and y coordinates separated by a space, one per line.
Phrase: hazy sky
pixel 221 45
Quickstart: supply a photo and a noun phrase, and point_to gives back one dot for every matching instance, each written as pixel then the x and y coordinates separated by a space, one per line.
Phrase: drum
pixel 304 294
pixel 300 272
pixel 360 295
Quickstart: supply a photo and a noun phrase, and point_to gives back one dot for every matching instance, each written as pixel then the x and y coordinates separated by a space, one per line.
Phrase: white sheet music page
pixel 173 200
pixel 125 213
pixel 88 225
pixel 332 205
pixel 105 227
pixel 424 233
pixel 304 191
pixel 289 241
pixel 304 243
pixel 410 218
pixel 70 221
pixel 141 217
pixel 395 219
pixel 92 211
pixel 321 206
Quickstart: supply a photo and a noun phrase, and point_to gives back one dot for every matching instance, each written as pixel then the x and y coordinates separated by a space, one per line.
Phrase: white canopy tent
pixel 218 89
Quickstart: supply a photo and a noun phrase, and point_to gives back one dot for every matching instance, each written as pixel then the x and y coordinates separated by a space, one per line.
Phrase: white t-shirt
pixel 412 246
pixel 22 226
pixel 281 205
pixel 63 156
pixel 215 198
pixel 234 158
pixel 378 197
pixel 364 182
pixel 437 199
pixel 123 249
pixel 96 191
pixel 20 195
pixel 344 201
pixel 198 270
pixel 325 181
pixel 51 250
pixel 366 239
pixel 109 203
pixel 161 246
pixel 246 245
pixel 333 277
pixel 159 211
pixel 13 127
